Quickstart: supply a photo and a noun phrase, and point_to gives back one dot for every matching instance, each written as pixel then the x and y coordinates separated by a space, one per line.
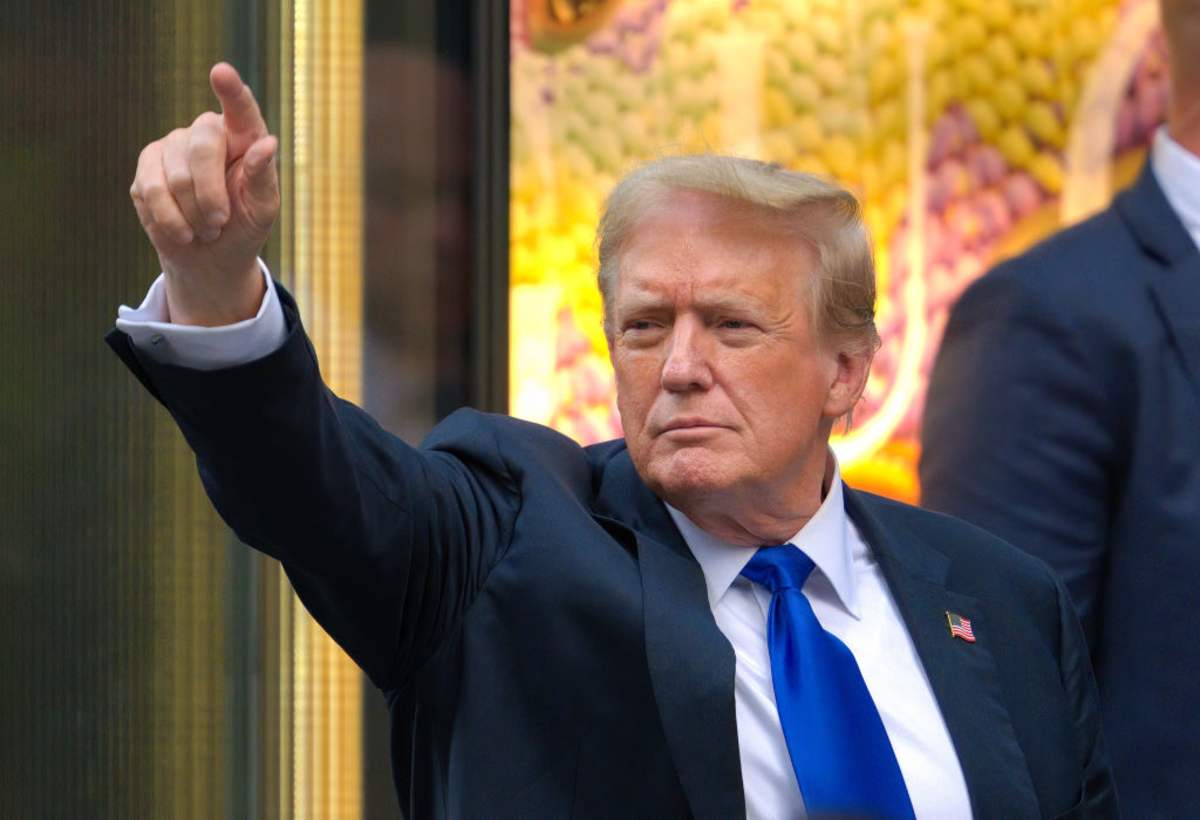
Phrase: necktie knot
pixel 777 568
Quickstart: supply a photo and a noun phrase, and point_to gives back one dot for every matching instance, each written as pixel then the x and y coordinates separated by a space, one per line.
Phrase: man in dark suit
pixel 1064 416
pixel 699 620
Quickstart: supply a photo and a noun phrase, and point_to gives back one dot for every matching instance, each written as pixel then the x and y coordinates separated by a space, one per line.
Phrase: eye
pixel 735 324
pixel 641 332
pixel 642 324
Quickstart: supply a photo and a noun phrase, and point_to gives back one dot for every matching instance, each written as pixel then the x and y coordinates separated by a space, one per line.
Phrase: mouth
pixel 690 427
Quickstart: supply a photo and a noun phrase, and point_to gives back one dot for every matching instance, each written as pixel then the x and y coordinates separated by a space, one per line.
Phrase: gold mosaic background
pixel 969 129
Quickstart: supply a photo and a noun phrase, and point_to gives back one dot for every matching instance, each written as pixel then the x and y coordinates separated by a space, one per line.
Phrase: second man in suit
pixel 1064 416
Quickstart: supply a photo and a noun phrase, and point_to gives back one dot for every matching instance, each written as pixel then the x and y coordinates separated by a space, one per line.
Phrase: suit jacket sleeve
pixel 386 545
pixel 1020 429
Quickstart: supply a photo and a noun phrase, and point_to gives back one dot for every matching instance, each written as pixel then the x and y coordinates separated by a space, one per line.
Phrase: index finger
pixel 243 119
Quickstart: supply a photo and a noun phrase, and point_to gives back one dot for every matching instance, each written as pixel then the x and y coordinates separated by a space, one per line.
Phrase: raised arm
pixel 386 545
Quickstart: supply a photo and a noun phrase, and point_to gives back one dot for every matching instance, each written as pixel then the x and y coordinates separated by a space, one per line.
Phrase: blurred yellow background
pixel 969 129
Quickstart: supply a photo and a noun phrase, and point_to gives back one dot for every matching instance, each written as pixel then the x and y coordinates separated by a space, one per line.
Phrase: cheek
pixel 778 394
pixel 637 385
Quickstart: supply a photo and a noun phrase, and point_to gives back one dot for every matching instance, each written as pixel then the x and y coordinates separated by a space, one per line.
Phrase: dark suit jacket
pixel 1064 416
pixel 542 632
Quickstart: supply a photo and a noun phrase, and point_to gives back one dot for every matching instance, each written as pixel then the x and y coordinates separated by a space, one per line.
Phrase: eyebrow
pixel 645 300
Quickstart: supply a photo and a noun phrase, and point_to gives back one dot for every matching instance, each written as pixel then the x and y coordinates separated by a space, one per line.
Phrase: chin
pixel 690 473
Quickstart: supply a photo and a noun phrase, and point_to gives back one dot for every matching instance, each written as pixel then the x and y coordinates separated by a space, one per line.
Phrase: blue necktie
pixel 840 751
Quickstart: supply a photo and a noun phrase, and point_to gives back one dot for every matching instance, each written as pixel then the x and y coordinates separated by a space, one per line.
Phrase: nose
pixel 687 367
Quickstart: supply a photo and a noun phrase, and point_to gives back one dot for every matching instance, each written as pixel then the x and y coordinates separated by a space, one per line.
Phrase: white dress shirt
pixel 203 348
pixel 1178 173
pixel 848 594
pixel 851 599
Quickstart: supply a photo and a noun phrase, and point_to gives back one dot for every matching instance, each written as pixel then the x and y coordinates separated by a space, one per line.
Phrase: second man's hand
pixel 207 196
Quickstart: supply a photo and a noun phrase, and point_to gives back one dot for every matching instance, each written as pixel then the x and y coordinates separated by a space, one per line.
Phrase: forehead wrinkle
pixel 708 273
pixel 691 274
pixel 707 300
pixel 694 269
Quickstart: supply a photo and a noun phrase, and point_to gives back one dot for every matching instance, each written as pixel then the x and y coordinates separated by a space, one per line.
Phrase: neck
pixel 1183 97
pixel 761 516
pixel 1183 124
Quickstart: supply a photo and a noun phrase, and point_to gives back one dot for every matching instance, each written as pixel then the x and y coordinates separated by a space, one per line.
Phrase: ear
pixel 849 378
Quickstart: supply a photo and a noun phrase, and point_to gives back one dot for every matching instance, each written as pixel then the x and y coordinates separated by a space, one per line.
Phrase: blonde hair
pixel 842 289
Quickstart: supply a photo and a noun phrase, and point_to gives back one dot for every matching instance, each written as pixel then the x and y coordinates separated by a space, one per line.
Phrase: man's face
pixel 725 394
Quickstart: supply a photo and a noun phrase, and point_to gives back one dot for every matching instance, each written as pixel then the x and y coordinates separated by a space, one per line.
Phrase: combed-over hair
pixel 842 290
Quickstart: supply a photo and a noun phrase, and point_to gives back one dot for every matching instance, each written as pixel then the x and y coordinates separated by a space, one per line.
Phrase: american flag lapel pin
pixel 960 627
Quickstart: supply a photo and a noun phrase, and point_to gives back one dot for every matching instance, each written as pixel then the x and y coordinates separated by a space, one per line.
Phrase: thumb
pixel 261 181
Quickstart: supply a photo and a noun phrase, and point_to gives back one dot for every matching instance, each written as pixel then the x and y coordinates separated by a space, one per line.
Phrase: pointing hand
pixel 207 196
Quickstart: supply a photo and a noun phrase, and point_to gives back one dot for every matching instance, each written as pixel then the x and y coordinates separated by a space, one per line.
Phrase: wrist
pixel 214 301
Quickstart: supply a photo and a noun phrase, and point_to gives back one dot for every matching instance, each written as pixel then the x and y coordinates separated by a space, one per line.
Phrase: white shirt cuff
pixel 203 348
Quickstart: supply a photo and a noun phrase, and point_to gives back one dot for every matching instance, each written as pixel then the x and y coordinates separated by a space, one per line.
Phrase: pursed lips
pixel 691 423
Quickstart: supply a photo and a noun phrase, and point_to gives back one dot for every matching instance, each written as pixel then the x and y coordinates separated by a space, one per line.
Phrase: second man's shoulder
pixel 1087 264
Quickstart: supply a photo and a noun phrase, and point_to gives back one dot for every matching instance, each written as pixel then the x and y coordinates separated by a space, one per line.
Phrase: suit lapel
pixel 1177 294
pixel 691 663
pixel 1175 283
pixel 962 675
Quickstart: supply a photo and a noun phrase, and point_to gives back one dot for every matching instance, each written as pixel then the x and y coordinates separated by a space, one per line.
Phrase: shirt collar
pixel 1178 173
pixel 822 538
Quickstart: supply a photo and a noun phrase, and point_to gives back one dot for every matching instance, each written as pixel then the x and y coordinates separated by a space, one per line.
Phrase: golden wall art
pixel 969 129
